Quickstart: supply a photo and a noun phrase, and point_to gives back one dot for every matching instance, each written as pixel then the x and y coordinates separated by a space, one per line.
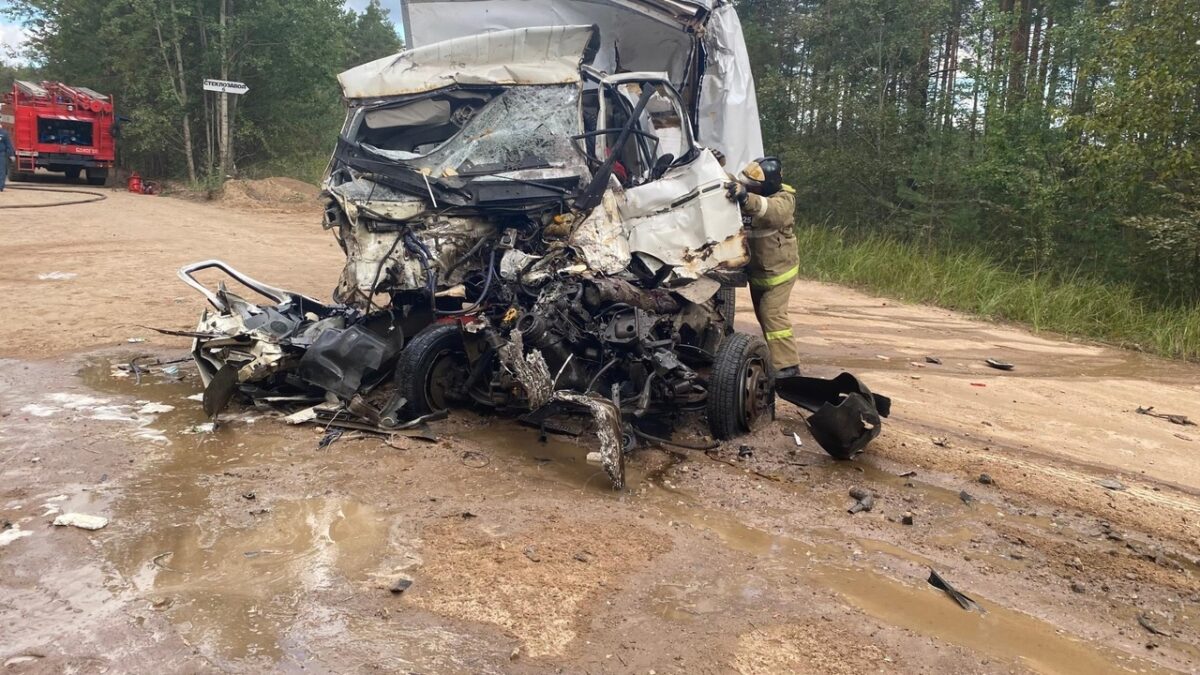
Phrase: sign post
pixel 226 87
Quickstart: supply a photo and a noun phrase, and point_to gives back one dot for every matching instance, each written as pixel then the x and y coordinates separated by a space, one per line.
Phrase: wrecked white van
pixel 532 223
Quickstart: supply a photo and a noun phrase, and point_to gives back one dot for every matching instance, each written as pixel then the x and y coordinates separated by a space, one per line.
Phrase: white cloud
pixel 12 40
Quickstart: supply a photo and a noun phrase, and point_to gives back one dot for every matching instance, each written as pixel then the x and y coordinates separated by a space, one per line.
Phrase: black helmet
pixel 764 176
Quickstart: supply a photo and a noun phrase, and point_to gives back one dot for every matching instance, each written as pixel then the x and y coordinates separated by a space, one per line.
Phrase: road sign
pixel 226 86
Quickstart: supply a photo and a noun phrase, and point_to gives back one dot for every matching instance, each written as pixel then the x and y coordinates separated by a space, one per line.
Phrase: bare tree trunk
pixel 225 136
pixel 1019 55
pixel 1044 63
pixel 178 84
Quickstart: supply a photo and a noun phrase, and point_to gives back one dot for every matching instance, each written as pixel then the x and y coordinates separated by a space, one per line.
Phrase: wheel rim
pixel 754 402
pixel 444 380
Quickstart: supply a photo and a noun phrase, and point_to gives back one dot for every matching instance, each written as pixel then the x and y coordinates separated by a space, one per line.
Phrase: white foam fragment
pixel 155 408
pixel 38 410
pixel 57 276
pixel 12 534
pixel 81 520
pixel 196 397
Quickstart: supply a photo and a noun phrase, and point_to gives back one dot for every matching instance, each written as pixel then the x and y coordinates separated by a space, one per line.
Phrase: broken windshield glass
pixel 522 127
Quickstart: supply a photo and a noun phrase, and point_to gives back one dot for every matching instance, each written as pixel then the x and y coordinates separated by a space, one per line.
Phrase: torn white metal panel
pixel 728 108
pixel 600 238
pixel 685 220
pixel 539 55
pixel 647 35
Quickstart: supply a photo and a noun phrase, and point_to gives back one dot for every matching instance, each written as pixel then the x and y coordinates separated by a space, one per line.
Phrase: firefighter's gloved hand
pixel 736 192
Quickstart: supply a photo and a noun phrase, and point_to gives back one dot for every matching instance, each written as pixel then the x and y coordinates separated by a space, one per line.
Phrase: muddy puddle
pixel 232 571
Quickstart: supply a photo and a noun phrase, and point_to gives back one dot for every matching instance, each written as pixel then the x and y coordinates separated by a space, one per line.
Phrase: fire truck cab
pixel 59 128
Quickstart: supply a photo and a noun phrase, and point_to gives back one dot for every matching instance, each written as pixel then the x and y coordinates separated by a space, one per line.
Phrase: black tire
pixel 73 174
pixel 727 306
pixel 432 369
pixel 741 387
pixel 97 176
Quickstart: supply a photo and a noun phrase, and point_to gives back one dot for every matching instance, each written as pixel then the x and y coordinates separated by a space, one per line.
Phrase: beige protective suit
pixel 774 264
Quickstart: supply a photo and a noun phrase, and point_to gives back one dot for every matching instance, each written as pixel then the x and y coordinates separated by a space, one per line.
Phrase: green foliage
pixel 970 281
pixel 140 51
pixel 1057 135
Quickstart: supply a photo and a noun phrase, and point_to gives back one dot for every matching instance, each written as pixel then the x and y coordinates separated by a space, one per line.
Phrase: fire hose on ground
pixel 91 197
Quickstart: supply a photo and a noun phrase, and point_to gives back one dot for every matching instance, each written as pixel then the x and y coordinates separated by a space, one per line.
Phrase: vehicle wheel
pixel 727 306
pixel 432 370
pixel 97 176
pixel 741 387
pixel 73 174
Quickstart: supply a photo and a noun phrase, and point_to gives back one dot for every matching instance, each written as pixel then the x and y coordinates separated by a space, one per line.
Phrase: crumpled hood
pixel 537 55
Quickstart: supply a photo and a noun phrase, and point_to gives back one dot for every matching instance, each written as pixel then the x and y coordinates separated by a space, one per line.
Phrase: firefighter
pixel 7 152
pixel 768 212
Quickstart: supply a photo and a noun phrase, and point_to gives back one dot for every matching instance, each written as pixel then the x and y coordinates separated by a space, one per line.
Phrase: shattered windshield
pixel 520 127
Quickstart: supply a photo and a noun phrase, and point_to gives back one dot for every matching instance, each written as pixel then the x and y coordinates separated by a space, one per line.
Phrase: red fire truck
pixel 59 128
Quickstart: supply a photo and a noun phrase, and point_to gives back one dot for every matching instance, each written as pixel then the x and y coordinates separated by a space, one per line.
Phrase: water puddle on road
pixel 1000 632
pixel 228 569
pixel 233 579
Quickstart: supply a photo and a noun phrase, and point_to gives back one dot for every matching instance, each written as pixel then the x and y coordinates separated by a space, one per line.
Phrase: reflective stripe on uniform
pixel 772 282
pixel 780 334
pixel 763 205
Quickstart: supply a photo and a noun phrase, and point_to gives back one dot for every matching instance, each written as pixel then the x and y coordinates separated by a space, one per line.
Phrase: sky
pixel 12 35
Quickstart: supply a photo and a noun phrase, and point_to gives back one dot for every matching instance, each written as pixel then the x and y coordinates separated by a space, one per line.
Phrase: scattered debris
pixel 934 360
pixel 907 518
pixel 11 533
pixel 583 556
pixel 136 340
pixel 985 479
pixel 1181 420
pixel 966 497
pixel 745 451
pixel 532 554
pixel 881 357
pixel 250 496
pixel 331 436
pixel 400 585
pixel 1000 365
pixel 978 384
pixel 1077 587
pixel 1111 484
pixel 907 474
pixel 796 438
pixel 1149 624
pixel 963 601
pixel 81 520
pixel 941 442
pixel 863 500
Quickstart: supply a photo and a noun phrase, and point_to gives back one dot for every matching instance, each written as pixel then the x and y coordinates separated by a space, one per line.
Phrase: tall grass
pixel 972 282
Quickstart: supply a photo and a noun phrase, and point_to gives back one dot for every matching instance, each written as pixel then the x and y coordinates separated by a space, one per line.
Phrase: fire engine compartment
pixel 57 127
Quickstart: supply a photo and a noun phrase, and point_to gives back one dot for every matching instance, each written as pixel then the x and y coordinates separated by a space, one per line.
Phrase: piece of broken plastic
pixel 846 415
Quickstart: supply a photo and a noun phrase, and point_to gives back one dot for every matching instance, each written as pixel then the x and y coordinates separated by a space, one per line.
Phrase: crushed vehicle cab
pixel 523 231
pixel 562 229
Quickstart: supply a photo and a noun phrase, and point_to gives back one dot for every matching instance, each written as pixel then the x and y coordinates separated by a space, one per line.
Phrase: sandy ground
pixel 250 549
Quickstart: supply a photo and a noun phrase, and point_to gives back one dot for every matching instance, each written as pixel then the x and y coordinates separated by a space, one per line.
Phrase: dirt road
pixel 251 549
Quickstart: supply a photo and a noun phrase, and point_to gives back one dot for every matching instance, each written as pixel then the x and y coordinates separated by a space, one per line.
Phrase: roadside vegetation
pixel 1030 159
pixel 973 282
